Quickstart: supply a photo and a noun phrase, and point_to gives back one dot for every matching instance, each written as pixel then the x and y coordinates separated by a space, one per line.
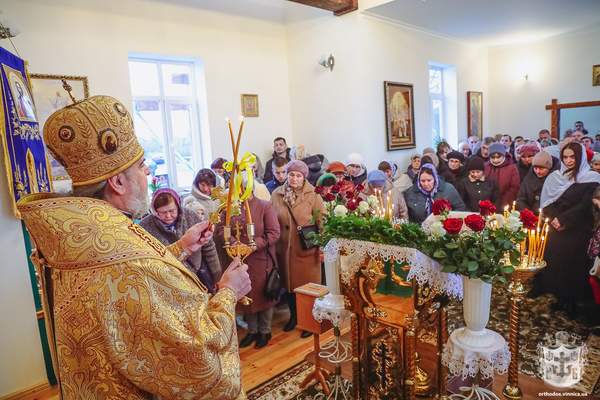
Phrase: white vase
pixel 332 274
pixel 476 312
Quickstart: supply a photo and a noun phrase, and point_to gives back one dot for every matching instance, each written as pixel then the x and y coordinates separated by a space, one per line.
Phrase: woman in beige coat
pixel 296 204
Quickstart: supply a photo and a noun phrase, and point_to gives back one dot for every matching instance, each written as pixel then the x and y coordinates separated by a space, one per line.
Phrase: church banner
pixel 25 162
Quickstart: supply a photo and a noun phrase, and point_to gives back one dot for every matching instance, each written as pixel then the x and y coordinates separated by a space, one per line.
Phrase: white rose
pixel 437 229
pixel 340 211
pixel 513 223
pixel 372 201
pixel 363 207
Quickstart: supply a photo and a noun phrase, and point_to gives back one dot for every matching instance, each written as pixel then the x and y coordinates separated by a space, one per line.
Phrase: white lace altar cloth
pixel 468 361
pixel 422 268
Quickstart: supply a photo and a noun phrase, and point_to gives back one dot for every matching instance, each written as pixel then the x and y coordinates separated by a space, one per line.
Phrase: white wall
pixel 343 111
pixel 559 67
pixel 22 363
pixel 94 37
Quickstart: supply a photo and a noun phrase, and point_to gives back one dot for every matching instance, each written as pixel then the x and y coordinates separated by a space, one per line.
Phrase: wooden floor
pixel 287 349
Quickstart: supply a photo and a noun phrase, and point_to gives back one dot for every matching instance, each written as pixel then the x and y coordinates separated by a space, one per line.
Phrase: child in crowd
pixel 596 162
pixel 475 187
pixel 279 174
pixel 504 173
pixel 531 187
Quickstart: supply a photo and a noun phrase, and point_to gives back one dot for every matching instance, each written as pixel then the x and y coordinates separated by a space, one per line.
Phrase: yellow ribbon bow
pixel 245 164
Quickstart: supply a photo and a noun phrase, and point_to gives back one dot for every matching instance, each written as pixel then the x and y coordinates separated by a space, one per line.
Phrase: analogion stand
pixel 305 300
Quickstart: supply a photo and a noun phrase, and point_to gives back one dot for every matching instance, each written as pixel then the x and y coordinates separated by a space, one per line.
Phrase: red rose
pixel 319 189
pixel 529 219
pixel 486 208
pixel 453 225
pixel 349 195
pixel 475 222
pixel 441 206
pixel 335 188
pixel 352 204
pixel 329 197
pixel 360 187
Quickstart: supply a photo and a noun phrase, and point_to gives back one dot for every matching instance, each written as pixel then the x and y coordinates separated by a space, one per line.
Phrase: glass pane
pixel 181 124
pixel 435 80
pixel 149 128
pixel 177 80
pixel 436 115
pixel 144 79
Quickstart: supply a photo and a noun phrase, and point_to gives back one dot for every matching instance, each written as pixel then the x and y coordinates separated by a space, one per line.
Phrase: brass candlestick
pixel 522 274
pixel 235 202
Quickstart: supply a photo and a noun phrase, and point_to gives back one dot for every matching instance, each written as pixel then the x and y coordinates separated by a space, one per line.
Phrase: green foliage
pixel 489 255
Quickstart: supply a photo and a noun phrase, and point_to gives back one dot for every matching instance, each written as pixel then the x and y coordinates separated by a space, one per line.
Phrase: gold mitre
pixel 93 139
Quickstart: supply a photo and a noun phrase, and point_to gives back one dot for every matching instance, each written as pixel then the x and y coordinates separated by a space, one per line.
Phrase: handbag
pixel 305 232
pixel 273 285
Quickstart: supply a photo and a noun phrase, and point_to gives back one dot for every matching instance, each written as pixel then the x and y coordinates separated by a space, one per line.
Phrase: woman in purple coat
pixel 259 314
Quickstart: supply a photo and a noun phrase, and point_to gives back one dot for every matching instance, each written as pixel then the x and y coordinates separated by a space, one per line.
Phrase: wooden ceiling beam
pixel 338 7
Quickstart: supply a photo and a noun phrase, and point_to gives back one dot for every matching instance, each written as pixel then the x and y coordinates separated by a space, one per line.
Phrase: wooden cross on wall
pixel 555 117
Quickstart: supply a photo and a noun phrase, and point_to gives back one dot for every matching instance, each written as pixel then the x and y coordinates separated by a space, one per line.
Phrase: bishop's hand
pixel 236 278
pixel 197 236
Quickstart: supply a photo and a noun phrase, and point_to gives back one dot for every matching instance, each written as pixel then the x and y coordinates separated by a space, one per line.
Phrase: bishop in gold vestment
pixel 128 319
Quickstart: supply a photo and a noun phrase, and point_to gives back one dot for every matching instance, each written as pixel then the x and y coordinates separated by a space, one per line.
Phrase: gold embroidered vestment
pixel 129 320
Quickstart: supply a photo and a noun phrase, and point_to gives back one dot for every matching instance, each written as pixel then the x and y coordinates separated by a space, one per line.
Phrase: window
pixel 436 95
pixel 165 115
pixel 443 103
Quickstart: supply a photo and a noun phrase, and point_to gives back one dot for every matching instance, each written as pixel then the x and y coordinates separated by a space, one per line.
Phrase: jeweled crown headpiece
pixel 93 139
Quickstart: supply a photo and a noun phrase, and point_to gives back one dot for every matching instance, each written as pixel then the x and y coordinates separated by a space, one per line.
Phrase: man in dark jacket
pixel 475 187
pixel 279 174
pixel 531 187
pixel 280 149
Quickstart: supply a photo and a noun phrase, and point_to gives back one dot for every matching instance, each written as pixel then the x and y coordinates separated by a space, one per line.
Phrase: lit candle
pixel 506 211
pixel 514 205
pixel 248 214
pixel 545 241
pixel 389 206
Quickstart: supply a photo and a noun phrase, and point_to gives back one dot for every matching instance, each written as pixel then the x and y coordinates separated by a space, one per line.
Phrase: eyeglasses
pixel 165 213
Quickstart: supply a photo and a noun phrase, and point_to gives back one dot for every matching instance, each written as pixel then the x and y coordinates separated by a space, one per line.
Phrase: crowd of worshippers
pixel 537 173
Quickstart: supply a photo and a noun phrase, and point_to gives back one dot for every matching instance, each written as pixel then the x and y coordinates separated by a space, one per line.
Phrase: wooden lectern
pixel 305 299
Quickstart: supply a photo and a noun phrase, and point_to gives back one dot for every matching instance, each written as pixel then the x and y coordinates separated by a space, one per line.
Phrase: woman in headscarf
pixel 168 221
pixel 567 202
pixel 428 188
pixel 297 205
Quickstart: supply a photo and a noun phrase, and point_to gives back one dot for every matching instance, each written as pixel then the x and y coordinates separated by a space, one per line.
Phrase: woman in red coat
pixel 504 173
pixel 259 313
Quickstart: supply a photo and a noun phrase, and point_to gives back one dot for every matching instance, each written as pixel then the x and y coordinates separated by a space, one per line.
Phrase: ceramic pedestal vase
pixel 476 312
pixel 335 298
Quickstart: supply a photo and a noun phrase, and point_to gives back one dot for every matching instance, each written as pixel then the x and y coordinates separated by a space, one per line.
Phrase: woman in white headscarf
pixel 566 201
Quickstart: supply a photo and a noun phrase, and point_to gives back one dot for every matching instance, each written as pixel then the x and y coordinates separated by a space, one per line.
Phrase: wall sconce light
pixel 328 62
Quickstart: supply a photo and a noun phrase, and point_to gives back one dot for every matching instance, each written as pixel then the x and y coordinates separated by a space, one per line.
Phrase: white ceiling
pixel 493 22
pixel 281 11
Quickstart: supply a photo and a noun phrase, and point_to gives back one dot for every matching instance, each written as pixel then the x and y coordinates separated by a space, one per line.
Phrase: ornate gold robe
pixel 128 319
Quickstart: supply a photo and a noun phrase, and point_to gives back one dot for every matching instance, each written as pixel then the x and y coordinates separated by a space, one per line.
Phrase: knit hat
pixel 428 150
pixel 456 155
pixel 595 158
pixel 355 159
pixel 297 166
pixel 475 164
pixel 336 167
pixel 529 149
pixel 497 148
pixel 376 178
pixel 542 159
pixel 327 179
